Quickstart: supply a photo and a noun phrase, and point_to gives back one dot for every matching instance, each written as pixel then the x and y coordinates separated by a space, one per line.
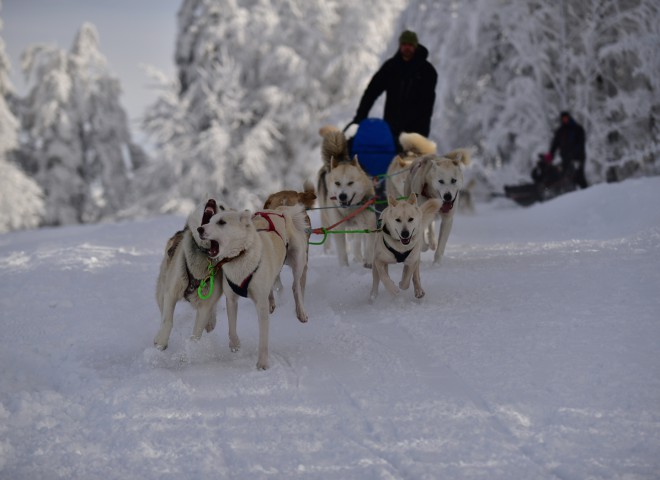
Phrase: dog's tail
pixel 308 196
pixel 334 145
pixel 460 155
pixel 416 144
pixel 298 217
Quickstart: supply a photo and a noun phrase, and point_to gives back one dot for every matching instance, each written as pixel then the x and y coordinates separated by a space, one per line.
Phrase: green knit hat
pixel 408 37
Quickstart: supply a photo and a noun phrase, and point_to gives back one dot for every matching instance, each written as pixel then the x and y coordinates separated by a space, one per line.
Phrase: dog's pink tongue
pixel 405 241
pixel 446 206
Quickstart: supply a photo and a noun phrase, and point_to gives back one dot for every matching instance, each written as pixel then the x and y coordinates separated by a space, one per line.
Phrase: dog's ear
pixel 460 155
pixel 412 199
pixel 391 201
pixel 354 160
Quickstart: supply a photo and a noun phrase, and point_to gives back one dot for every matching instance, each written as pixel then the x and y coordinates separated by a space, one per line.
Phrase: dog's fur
pixel 285 198
pixel 254 248
pixel 438 176
pixel 414 145
pixel 400 241
pixel 184 265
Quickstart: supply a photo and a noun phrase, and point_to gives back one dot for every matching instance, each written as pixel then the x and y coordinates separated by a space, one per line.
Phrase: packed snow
pixel 534 355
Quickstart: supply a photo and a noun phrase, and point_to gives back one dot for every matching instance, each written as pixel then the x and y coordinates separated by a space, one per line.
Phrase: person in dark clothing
pixel 409 81
pixel 570 139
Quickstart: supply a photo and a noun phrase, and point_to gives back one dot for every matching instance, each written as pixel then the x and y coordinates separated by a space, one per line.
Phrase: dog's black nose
pixel 405 233
pixel 200 230
pixel 447 197
pixel 342 197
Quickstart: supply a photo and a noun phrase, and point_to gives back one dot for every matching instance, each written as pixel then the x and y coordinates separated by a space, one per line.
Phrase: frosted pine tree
pixel 21 201
pixel 255 82
pixel 508 68
pixel 78 142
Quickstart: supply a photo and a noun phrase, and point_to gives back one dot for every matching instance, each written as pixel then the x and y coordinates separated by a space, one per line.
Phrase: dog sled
pixel 549 182
pixel 375 148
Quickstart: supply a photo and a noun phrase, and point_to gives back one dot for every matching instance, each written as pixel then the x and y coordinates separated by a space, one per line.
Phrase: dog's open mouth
pixel 210 209
pixel 447 206
pixel 405 241
pixel 215 249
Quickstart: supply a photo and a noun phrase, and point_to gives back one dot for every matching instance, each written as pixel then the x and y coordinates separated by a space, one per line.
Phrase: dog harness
pixel 242 289
pixel 271 225
pixel 400 257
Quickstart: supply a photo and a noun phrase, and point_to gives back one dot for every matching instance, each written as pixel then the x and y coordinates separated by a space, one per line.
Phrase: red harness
pixel 271 225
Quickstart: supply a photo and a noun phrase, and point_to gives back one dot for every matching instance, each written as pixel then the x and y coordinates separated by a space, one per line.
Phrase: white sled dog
pixel 253 249
pixel 439 176
pixel 342 187
pixel 400 241
pixel 186 264
pixel 414 145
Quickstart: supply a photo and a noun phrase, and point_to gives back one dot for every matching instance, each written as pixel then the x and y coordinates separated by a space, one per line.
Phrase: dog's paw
pixel 262 365
pixel 393 289
pixel 302 316
pixel 159 346
pixel 234 345
pixel 419 293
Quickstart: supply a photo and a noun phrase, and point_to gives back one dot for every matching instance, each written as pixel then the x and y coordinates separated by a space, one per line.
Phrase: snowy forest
pixel 256 79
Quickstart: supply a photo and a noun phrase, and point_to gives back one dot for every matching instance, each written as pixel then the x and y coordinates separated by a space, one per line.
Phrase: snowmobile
pixel 549 181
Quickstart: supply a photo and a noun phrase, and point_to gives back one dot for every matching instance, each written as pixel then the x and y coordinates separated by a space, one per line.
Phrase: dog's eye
pixel 222 208
pixel 350 183
pixel 442 182
pixel 221 222
pixel 410 219
pixel 453 180
pixel 338 184
pixel 397 220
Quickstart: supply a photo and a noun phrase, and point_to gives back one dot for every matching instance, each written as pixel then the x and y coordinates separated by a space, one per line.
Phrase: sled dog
pixel 305 198
pixel 253 248
pixel 188 261
pixel 414 145
pixel 349 187
pixel 335 146
pixel 435 176
pixel 400 241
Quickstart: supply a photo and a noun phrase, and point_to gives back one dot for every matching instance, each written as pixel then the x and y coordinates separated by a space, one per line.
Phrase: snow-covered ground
pixel 534 355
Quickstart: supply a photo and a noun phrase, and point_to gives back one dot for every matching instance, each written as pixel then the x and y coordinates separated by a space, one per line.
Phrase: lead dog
pixel 253 248
pixel 184 266
pixel 400 241
pixel 441 177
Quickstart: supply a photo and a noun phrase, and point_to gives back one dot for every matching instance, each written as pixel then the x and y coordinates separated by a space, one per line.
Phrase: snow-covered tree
pixel 78 141
pixel 21 201
pixel 256 79
pixel 508 68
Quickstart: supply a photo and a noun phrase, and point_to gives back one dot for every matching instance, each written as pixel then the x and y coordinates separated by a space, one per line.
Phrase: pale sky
pixel 132 32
